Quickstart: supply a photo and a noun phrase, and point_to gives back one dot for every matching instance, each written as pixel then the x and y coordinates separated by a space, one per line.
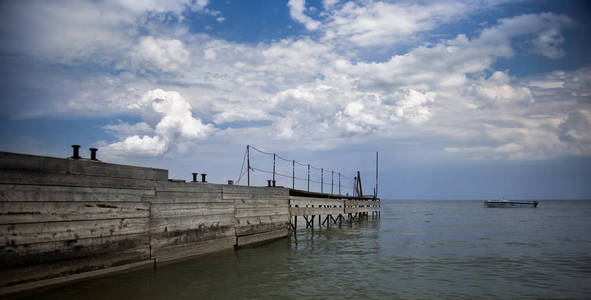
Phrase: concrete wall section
pixel 261 213
pixel 60 217
pixel 190 219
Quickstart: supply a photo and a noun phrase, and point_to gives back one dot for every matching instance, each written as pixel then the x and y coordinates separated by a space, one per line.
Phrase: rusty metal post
pixel 308 177
pixel 321 180
pixel 248 164
pixel 331 182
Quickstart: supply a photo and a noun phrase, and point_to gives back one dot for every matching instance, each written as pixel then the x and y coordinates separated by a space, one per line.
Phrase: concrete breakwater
pixel 67 219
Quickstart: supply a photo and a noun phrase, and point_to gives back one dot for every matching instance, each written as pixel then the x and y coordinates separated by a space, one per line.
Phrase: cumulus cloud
pixel 163 54
pixel 497 89
pixel 311 90
pixel 297 10
pixel 176 127
pixel 381 23
pixel 544 29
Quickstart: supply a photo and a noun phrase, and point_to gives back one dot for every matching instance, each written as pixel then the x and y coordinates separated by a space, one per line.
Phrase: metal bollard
pixel 76 151
pixel 93 153
pixel 195 177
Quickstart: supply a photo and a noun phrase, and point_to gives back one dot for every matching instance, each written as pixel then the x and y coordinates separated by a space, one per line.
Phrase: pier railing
pixel 260 167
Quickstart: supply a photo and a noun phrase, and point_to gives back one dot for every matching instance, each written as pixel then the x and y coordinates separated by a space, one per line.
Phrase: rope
pixel 343 177
pixel 241 168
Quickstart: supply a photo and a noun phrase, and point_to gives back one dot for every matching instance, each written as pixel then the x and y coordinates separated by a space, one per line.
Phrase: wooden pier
pixel 65 219
pixel 327 209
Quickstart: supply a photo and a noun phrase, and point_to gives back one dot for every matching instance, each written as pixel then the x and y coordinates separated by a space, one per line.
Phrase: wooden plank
pixel 29 286
pixel 44 164
pixel 240 189
pixel 260 228
pixel 260 237
pixel 20 234
pixel 37 253
pixel 244 221
pixel 309 211
pixel 35 212
pixel 263 204
pixel 247 198
pixel 165 239
pixel 14 276
pixel 252 212
pixel 188 187
pixel 188 197
pixel 158 225
pixel 193 249
pixel 44 193
pixel 173 210
pixel 26 177
pixel 307 201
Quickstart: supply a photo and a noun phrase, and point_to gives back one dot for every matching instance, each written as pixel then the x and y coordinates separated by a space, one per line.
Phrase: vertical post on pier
pixel 293 174
pixel 321 180
pixel 331 182
pixel 376 191
pixel 248 164
pixel 308 177
pixel 339 183
pixel 273 167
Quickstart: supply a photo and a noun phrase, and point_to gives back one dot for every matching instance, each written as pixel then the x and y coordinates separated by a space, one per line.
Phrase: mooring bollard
pixel 195 177
pixel 76 151
pixel 203 177
pixel 93 153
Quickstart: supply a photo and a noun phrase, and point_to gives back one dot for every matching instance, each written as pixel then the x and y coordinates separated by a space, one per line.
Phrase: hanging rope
pixel 345 182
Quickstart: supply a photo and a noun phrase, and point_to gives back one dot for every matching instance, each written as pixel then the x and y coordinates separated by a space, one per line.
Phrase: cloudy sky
pixel 462 99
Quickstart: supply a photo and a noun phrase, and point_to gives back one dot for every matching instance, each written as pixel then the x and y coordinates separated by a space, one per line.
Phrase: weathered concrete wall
pixel 61 216
pixel 261 213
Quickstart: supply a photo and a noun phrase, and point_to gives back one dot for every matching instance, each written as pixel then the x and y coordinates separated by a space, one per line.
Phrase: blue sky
pixel 463 99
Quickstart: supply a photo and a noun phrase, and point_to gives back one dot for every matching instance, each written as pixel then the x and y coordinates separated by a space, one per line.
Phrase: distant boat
pixel 509 203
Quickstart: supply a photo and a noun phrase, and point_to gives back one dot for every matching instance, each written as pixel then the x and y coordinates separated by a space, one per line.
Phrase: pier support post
pixel 331 182
pixel 322 180
pixel 308 177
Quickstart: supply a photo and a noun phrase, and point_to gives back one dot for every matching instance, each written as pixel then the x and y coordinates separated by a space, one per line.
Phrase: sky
pixel 462 99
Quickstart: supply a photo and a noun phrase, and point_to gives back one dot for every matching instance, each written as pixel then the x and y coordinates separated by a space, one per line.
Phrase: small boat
pixel 509 203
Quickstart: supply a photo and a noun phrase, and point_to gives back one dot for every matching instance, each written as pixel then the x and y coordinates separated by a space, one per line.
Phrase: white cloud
pixel 163 54
pixel 297 10
pixel 497 89
pixel 544 27
pixel 176 127
pixel 312 90
pixel 122 130
pixel 381 23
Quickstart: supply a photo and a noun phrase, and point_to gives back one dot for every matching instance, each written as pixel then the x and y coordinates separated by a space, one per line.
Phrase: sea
pixel 417 249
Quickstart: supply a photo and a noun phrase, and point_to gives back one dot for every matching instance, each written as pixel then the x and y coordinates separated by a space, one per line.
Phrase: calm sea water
pixel 418 249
